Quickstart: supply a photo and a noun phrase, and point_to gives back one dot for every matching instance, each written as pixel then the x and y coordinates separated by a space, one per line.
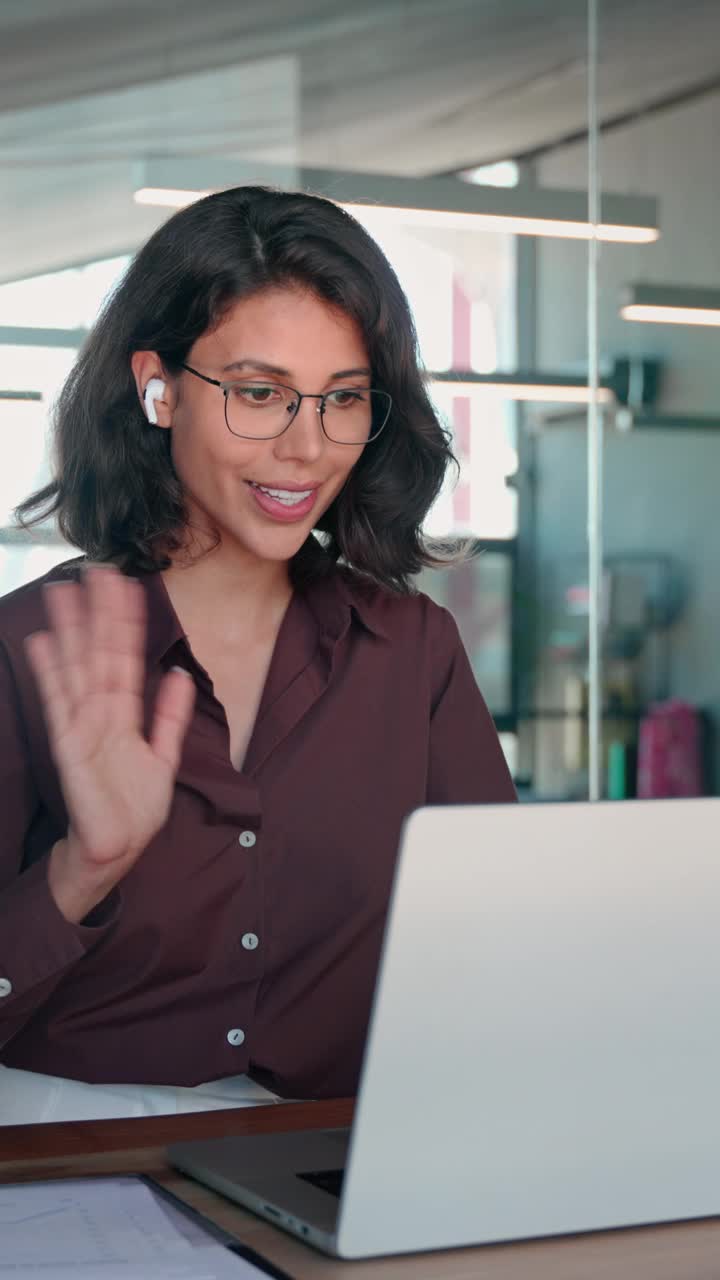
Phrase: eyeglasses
pixel 264 410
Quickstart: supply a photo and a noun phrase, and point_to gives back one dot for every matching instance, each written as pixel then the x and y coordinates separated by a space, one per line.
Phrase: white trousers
pixel 27 1097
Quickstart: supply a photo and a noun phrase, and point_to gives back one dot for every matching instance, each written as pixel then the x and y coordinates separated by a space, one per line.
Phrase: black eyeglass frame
pixel 227 387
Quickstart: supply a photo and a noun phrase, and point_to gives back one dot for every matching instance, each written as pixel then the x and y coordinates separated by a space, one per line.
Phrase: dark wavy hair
pixel 115 491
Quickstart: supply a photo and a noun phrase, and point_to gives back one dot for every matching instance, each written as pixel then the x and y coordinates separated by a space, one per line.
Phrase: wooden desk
pixel 681 1252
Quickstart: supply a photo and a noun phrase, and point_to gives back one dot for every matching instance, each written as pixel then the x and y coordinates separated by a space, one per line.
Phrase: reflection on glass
pixel 661 608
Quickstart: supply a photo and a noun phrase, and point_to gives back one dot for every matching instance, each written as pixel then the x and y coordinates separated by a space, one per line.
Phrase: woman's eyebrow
pixel 238 366
pixel 350 373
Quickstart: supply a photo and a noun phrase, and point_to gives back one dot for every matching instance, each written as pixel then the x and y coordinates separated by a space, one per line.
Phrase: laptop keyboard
pixel 326 1179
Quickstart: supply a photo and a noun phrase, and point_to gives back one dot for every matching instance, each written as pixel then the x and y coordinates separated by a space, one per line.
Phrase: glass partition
pixel 657 106
pixel 659 309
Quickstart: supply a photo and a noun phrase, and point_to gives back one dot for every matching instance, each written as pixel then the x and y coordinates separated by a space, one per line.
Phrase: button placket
pixel 247 839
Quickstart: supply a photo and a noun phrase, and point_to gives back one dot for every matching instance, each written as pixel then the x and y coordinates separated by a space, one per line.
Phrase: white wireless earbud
pixel 153 391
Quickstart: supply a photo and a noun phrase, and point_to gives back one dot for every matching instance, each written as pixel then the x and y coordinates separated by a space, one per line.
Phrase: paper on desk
pixel 111 1228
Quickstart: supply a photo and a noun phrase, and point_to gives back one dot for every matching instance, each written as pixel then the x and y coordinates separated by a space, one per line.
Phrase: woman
pixel 213 725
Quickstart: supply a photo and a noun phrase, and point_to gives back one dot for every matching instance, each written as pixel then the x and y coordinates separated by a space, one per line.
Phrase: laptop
pixel 543 1054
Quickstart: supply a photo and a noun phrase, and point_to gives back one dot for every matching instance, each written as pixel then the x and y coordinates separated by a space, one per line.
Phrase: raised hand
pixel 117 785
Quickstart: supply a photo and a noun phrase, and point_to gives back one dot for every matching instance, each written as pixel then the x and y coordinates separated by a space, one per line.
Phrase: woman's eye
pixel 343 399
pixel 255 395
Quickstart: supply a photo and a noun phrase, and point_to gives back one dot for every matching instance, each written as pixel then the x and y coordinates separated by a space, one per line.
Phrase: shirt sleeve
pixel 38 946
pixel 466 761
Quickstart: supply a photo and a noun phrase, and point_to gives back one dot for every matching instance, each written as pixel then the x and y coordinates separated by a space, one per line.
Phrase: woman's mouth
pixel 283 504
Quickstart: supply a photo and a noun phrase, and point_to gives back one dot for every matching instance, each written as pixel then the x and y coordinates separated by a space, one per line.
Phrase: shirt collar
pixel 332 598
pixel 163 624
pixel 336 592
pixel 364 599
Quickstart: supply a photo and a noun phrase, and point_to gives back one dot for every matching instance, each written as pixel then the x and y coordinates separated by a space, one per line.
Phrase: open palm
pixel 90 669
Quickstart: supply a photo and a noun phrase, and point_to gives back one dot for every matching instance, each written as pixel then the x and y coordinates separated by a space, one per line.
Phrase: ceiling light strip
pixel 548 388
pixel 445 202
pixel 671 304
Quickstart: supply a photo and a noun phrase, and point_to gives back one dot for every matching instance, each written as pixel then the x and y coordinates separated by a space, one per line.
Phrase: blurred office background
pixel 458 132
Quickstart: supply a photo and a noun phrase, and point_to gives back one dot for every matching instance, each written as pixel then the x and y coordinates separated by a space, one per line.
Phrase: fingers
pixel 102 587
pixel 43 656
pixel 67 614
pixel 96 646
pixel 117 626
pixel 173 711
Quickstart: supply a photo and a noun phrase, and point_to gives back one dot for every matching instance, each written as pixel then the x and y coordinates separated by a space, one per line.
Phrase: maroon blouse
pixel 247 936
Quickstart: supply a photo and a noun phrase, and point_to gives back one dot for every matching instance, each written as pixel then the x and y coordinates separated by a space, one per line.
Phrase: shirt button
pixel 236 1036
pixel 247 839
pixel 6 986
pixel 250 941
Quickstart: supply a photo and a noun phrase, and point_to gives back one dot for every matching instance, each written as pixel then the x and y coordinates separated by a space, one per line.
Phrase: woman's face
pixel 312 347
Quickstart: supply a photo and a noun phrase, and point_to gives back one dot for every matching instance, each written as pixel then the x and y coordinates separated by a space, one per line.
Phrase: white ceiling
pixel 90 87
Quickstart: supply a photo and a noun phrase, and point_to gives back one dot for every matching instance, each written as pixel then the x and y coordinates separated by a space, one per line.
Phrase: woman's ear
pixel 153 387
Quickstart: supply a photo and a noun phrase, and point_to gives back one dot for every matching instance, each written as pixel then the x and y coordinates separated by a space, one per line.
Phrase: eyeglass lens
pixel 352 415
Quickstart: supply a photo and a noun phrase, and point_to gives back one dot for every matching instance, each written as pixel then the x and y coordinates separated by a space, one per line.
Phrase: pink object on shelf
pixel 669 755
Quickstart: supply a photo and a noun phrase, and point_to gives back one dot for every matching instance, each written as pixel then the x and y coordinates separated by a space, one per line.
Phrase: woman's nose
pixel 305 435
